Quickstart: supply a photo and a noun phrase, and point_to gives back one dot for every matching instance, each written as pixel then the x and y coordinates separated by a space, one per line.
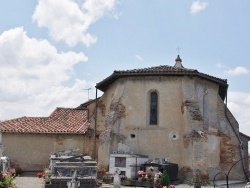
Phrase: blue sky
pixel 50 51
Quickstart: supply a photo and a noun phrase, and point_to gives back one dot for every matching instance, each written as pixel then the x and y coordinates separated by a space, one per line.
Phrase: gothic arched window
pixel 153 108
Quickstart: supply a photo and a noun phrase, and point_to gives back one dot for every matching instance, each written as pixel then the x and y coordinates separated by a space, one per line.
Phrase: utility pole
pixel 88 91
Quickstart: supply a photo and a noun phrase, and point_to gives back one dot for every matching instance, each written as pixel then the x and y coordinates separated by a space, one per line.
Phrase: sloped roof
pixel 86 104
pixel 61 120
pixel 244 135
pixel 163 70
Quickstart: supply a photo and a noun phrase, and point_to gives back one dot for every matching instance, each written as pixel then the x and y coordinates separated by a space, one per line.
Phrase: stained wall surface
pixel 31 151
pixel 192 129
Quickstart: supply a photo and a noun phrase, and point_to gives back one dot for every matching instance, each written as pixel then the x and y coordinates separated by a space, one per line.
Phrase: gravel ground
pixel 240 185
pixel 30 181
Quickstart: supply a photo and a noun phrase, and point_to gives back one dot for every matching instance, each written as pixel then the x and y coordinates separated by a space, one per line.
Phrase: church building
pixel 170 112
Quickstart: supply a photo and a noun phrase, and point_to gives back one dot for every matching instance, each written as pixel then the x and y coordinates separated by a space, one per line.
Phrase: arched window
pixel 153 108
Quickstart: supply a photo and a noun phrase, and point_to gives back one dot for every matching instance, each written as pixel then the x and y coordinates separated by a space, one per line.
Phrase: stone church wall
pixel 192 130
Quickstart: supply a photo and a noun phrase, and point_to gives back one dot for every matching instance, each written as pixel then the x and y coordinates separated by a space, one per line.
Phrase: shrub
pixel 165 180
pixel 6 180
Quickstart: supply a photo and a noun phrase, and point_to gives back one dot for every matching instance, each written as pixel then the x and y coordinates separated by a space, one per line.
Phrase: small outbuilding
pixel 29 141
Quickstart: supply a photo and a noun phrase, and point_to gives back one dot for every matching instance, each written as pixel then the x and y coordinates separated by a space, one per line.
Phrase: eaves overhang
pixel 103 85
pixel 44 132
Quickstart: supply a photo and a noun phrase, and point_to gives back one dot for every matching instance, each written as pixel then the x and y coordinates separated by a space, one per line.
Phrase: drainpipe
pixel 95 123
pixel 87 114
pixel 203 114
pixel 241 146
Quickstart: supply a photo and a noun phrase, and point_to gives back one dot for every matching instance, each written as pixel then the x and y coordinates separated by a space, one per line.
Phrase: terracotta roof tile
pixel 163 70
pixel 62 120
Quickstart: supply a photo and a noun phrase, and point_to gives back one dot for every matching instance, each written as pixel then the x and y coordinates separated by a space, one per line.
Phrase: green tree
pixel 165 180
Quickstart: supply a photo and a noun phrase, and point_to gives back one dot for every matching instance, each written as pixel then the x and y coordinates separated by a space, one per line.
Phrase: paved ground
pixel 28 182
pixel 238 185
pixel 31 181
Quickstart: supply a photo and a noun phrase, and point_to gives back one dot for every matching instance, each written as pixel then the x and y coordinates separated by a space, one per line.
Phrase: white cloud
pixel 64 96
pixel 43 103
pixel 239 105
pixel 138 57
pixel 69 20
pixel 32 73
pixel 197 6
pixel 237 71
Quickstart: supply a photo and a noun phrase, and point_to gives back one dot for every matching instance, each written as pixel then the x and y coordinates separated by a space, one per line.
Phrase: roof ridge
pixel 70 120
pixel 162 70
pixel 61 108
pixel 155 67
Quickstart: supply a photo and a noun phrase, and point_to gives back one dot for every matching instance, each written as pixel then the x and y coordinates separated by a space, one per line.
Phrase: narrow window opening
pixel 153 108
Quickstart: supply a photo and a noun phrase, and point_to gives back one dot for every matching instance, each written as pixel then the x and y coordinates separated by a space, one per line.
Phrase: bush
pixel 6 180
pixel 165 180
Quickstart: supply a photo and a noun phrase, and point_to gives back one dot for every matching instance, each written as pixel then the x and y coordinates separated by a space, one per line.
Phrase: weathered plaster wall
pixel 101 110
pixel 32 151
pixel 245 153
pixel 230 145
pixel 89 138
pixel 192 129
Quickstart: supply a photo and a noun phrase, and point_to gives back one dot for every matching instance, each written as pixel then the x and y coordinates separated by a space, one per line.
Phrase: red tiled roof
pixel 163 70
pixel 62 120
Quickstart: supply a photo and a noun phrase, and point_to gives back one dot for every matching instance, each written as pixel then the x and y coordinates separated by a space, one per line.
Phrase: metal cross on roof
pixel 178 49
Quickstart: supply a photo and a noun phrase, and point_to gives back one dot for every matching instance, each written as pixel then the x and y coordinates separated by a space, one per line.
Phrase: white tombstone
pixel 73 183
pixel 117 179
pixel 5 163
pixel 122 148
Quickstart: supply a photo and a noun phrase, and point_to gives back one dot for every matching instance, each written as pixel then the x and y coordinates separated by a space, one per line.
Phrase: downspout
pixel 203 114
pixel 241 146
pixel 95 124
pixel 87 114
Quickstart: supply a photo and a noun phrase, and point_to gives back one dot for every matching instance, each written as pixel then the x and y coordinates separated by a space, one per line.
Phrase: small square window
pixel 120 161
pixel 132 136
